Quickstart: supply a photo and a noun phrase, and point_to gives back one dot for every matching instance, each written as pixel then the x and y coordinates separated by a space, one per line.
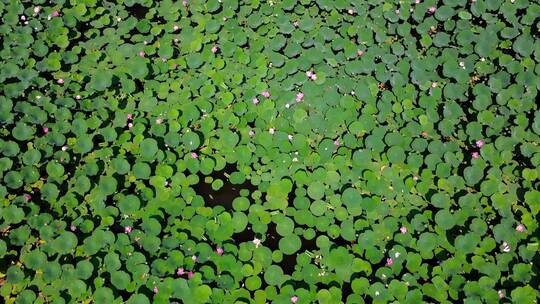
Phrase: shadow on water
pixel 138 11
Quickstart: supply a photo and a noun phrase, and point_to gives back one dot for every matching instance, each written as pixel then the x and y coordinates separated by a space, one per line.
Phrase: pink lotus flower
pixel 271 130
pixel 501 294
pixel 313 76
pixel 294 299
pixel 180 271
pixel 215 49
pixel 130 116
pixel 265 94
pixel 55 14
pixel 432 10
pixel 190 274
pixel 299 97
pixel 194 155
pixel 397 12
pixel 219 251
pixel 130 125
pixel 142 53
pixel 403 229
pixel 78 97
pixel 479 143
pixel 415 178
pixel 255 100
pixel 359 52
pixel 309 74
pixel 60 81
pixel 174 65
pixel 475 155
pixel 175 27
pixel 37 9
pixel 520 228
pixel 336 143
pixel 159 121
pixel 127 229
pixel 23 17
pixel 434 84
pixel 389 262
pixel 27 197
pixel 193 258
pixel 72 227
pixel 184 3
pixel 45 130
pixel 155 289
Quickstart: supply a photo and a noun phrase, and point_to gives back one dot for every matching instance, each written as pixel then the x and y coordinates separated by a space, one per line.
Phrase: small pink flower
pixel 351 11
pixel 127 229
pixel 389 262
pixel 520 228
pixel 475 155
pixel 180 271
pixel 290 137
pixel 255 100
pixel 309 74
pixel 299 97
pixel 175 27
pixel 174 65
pixel 45 130
pixel 479 143
pixel 433 84
pixel 23 17
pixel 336 143
pixel 37 9
pixel 296 23
pixel 145 42
pixel 27 197
pixel 163 59
pixel 219 251
pixel 417 1
pixel 193 258
pixel 432 10
pixel 64 148
pixel 155 289
pixel 73 227
pixel 55 14
pixel 194 155
pixel 184 2
pixel 359 52
pixel 130 116
pixel 251 133
pixel 415 178
pixel 78 97
pixel 257 242
pixel 215 49
pixel 159 121
pixel 294 299
pixel 271 130
pixel 265 94
pixel 142 53
pixel 130 125
pixel 313 76
pixel 403 229
pixel 60 81
pixel 397 12
pixel 190 274
pixel 501 294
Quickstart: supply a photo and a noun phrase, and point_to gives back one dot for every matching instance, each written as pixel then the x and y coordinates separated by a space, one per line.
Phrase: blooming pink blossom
pixel 506 247
pixel 359 52
pixel 433 84
pixel 194 155
pixel 175 27
pixel 45 130
pixel 432 10
pixel 337 143
pixel 215 49
pixel 184 2
pixel 313 76
pixel 271 130
pixel 417 1
pixel 255 100
pixel 142 53
pixel 309 74
pixel 60 81
pixel 479 143
pixel 219 251
pixel 501 294
pixel 193 258
pixel 163 59
pixel 130 116
pixel 27 197
pixel 145 42
pixel 127 229
pixel 55 14
pixel 520 228
pixel 403 229
pixel 155 289
pixel 299 97
pixel 296 23
pixel 415 178
pixel 389 262
pixel 180 271
pixel 130 125
pixel 294 299
pixel 351 11
pixel 78 97
pixel 475 155
pixel 72 227
pixel 37 9
pixel 257 242
pixel 251 133
pixel 190 274
pixel 159 121
pixel 265 94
